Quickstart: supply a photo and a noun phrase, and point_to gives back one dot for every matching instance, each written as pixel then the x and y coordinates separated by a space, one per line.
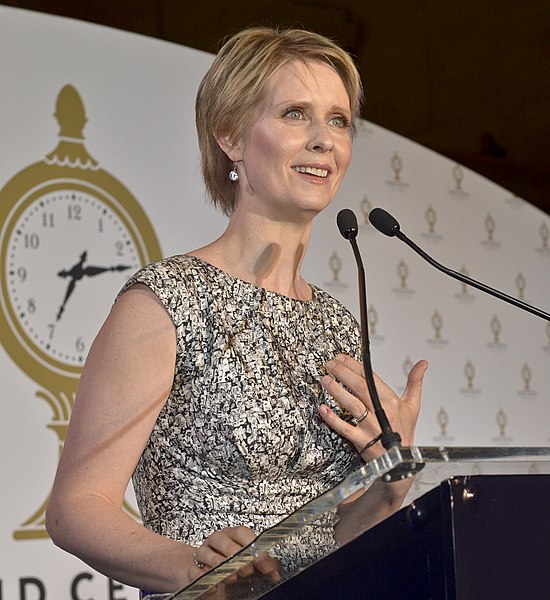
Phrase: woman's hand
pixel 401 412
pixel 225 543
pixel 220 546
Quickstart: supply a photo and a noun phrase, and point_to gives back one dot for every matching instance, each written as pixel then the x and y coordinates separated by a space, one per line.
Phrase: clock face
pixel 69 249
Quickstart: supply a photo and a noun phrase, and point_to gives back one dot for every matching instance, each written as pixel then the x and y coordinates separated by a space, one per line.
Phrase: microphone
pixel 388 225
pixel 347 224
pixel 384 222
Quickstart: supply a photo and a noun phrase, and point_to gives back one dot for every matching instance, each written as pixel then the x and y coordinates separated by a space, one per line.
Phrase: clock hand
pixel 92 270
pixel 76 272
pixel 70 290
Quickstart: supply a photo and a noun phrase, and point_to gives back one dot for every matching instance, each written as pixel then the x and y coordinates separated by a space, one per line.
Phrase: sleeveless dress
pixel 239 440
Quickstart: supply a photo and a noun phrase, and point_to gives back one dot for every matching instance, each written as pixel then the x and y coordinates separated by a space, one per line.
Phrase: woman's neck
pixel 265 253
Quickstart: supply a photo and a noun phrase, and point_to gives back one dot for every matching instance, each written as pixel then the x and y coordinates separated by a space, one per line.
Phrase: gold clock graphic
pixel 71 234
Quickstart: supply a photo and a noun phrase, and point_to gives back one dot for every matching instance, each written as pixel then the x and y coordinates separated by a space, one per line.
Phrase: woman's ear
pixel 231 150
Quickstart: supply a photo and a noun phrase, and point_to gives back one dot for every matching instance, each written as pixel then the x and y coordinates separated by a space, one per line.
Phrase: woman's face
pixel 298 148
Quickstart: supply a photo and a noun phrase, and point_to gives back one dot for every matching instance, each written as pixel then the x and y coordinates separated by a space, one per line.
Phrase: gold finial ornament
pixel 69 112
pixel 71 117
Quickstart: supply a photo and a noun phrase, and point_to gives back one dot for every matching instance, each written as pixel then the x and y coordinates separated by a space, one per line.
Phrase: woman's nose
pixel 321 138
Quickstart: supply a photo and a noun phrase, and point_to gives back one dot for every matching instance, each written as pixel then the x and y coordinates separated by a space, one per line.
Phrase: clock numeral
pixel 100 225
pixel 48 220
pixel 51 327
pixel 31 305
pixel 74 212
pixel 80 345
pixel 31 240
pixel 22 274
pixel 119 247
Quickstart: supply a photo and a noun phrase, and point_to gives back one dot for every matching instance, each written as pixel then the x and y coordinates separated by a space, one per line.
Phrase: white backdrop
pixel 488 379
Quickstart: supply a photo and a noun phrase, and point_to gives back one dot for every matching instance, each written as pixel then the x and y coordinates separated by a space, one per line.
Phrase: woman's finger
pixel 223 544
pixel 350 373
pixel 347 401
pixel 357 435
pixel 357 367
pixel 269 567
pixel 346 372
pixel 415 380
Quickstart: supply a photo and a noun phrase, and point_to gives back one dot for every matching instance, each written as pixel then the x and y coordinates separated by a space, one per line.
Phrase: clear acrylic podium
pixel 475 525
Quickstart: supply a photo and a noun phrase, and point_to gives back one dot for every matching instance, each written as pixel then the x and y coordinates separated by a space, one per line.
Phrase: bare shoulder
pixel 134 351
pixel 138 301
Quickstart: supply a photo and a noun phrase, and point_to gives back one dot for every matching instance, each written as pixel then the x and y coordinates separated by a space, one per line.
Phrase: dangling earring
pixel 233 174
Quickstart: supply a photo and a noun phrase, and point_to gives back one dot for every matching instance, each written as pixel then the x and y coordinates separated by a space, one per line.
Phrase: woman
pixel 221 378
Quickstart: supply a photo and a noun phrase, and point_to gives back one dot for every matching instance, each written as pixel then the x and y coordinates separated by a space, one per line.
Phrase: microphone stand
pixel 405 459
pixel 388 225
pixel 389 438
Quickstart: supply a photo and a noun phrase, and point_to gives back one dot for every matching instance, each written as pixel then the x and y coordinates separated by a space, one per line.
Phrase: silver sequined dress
pixel 239 440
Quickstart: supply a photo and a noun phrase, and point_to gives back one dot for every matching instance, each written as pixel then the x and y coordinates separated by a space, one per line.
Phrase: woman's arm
pixel 124 385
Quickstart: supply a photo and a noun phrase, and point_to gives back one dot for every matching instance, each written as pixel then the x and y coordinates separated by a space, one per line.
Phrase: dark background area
pixel 469 78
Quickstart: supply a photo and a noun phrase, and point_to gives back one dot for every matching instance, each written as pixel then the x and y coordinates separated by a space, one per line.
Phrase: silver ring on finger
pixel 356 421
pixel 198 563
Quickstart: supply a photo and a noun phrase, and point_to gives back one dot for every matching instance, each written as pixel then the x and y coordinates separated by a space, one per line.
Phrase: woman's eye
pixel 294 113
pixel 340 121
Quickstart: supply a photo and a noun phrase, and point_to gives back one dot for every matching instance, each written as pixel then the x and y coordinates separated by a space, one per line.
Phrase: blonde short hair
pixel 232 89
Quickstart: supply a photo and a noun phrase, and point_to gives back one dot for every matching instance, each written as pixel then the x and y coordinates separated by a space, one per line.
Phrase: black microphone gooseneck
pixel 388 225
pixel 347 224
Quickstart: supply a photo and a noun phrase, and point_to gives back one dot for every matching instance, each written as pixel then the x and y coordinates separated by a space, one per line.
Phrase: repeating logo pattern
pixel 520 285
pixel 501 420
pixel 490 353
pixel 365 206
pixel 335 266
pixel 458 176
pixel 495 327
pixel 469 371
pixel 397 166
